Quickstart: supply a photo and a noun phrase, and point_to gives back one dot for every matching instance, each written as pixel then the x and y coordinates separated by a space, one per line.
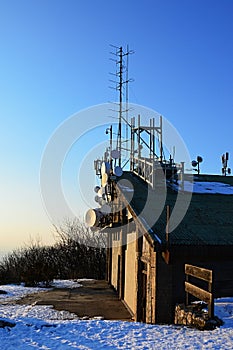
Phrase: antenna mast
pixel 119 141
pixel 122 79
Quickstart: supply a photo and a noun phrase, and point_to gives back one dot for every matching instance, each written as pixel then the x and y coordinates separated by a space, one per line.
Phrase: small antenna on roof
pixel 197 163
pixel 225 169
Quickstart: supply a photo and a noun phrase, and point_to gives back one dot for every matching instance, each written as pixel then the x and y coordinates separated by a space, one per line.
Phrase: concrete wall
pixel 116 250
pixel 130 272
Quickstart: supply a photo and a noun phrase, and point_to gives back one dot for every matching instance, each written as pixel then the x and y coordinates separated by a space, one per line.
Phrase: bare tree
pixel 76 230
pixel 87 249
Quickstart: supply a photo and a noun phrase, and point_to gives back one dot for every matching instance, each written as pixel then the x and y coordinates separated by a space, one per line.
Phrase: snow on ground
pixel 42 327
pixel 15 292
pixel 67 283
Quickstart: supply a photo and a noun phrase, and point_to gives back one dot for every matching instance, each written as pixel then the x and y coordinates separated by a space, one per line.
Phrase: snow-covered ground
pixel 42 327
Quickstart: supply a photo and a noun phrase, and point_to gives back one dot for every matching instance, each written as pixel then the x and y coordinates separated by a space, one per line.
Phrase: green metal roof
pixel 208 220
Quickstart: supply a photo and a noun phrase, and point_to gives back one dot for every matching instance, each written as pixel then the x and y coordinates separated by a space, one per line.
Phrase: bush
pixel 77 253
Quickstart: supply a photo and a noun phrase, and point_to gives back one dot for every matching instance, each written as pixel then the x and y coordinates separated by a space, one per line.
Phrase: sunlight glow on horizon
pixel 55 62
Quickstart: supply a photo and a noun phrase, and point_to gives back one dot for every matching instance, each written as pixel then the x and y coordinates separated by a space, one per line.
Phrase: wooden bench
pixel 199 293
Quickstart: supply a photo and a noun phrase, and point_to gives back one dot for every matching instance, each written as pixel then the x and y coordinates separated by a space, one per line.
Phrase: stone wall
pixel 196 315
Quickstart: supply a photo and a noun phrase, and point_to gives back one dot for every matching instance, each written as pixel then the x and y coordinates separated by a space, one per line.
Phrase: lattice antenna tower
pixel 121 58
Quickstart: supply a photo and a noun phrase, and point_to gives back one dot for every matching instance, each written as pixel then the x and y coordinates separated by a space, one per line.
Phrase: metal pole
pixel 120 111
pixel 111 146
pixel 161 139
pixel 139 149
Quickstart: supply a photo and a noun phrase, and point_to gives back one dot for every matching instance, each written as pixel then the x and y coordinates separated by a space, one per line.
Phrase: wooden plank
pixel 198 293
pixel 199 272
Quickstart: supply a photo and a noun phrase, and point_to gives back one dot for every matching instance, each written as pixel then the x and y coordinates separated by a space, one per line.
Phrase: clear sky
pixel 54 62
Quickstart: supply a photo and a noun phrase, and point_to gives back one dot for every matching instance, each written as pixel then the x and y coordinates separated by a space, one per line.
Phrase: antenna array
pixel 121 58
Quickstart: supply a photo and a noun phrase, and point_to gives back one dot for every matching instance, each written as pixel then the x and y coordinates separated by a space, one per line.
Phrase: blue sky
pixel 54 62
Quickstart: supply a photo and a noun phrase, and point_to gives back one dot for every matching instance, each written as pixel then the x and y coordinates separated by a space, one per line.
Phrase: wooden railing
pixel 199 293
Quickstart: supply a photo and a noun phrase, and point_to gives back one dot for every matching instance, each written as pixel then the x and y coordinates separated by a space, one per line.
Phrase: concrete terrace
pixel 95 298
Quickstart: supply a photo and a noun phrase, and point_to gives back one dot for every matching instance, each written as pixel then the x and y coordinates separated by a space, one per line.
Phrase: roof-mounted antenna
pixel 225 169
pixel 197 163
pixel 122 79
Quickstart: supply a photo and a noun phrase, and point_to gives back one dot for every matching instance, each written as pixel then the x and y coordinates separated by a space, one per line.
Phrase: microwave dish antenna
pixel 115 154
pixel 118 171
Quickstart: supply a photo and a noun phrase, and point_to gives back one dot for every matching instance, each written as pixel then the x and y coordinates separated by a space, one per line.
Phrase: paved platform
pixel 94 298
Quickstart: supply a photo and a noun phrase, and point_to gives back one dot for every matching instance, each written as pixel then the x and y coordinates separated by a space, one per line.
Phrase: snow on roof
pixel 206 187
